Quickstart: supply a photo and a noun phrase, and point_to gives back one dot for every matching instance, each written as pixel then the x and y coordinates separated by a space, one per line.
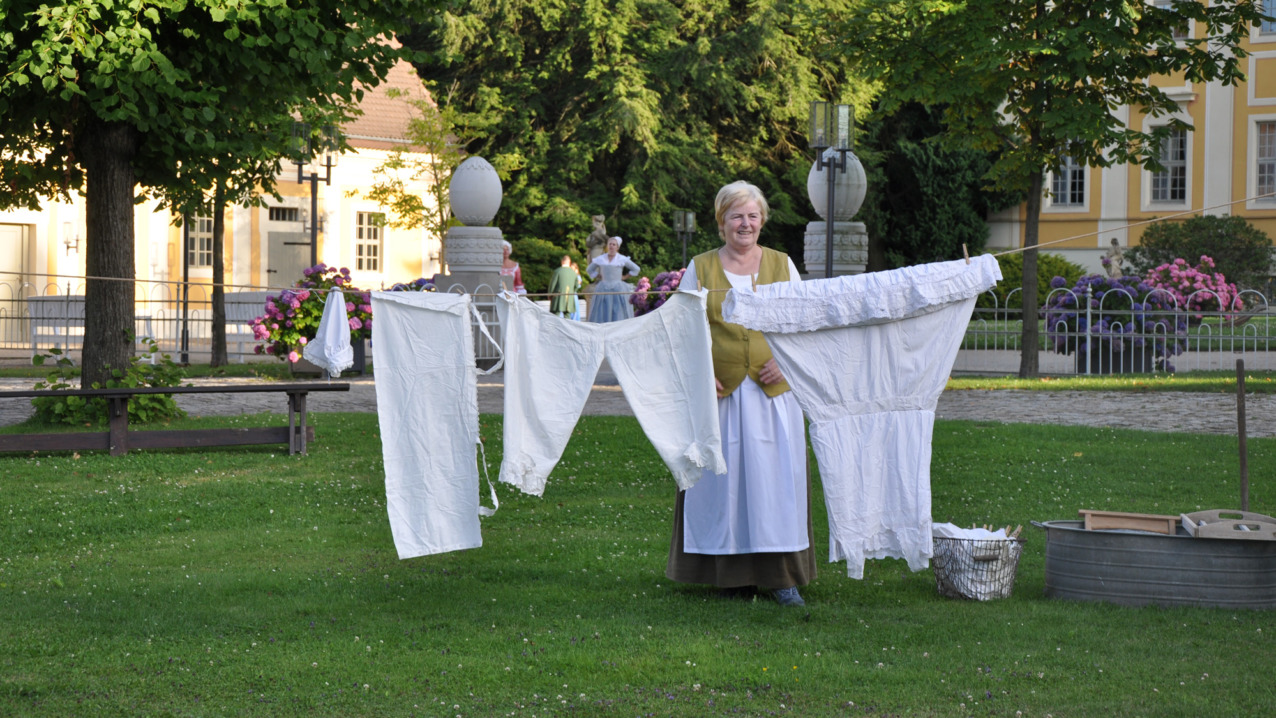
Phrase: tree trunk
pixel 1029 364
pixel 219 356
pixel 107 150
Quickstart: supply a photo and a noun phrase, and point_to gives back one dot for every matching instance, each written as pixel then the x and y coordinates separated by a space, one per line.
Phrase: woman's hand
pixel 770 372
pixel 722 392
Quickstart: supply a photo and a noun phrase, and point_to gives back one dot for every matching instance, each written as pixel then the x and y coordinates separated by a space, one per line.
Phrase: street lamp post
pixel 325 149
pixel 831 137
pixel 684 225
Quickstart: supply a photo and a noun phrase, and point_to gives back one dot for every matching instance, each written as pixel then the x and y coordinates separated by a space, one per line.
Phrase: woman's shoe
pixel 788 596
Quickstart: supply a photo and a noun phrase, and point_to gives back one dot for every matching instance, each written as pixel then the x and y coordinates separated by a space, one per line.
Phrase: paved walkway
pixel 1154 411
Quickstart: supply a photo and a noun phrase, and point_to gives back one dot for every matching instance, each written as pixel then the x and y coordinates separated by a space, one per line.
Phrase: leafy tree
pixel 633 109
pixel 1037 81
pixel 1241 252
pixel 433 130
pixel 110 96
pixel 925 200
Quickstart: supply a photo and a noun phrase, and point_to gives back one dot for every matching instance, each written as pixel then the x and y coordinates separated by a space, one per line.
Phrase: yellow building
pixel 1225 165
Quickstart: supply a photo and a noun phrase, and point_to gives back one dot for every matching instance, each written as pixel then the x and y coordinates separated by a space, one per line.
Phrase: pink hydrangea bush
pixel 1195 289
pixel 292 318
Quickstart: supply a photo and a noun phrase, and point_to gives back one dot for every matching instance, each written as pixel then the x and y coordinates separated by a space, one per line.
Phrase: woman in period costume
pixel 610 299
pixel 749 529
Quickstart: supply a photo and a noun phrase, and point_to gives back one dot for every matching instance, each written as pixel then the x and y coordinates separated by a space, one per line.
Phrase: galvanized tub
pixel 1137 568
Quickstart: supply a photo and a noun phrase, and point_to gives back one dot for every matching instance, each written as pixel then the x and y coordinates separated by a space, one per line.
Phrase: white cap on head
pixel 619 241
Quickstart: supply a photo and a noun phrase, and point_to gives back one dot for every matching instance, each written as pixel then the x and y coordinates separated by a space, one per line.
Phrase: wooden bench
pixel 118 439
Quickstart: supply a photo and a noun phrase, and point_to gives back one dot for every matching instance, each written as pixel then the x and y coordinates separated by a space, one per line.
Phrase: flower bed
pixel 1114 315
pixel 293 317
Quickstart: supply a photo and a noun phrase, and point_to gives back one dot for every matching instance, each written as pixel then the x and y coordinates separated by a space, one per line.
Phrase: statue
pixel 1112 260
pixel 597 242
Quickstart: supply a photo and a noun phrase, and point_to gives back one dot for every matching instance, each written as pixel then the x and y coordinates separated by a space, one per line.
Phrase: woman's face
pixel 505 252
pixel 612 247
pixel 741 224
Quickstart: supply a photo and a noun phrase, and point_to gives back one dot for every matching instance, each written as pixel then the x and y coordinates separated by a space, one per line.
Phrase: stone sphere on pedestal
pixel 850 187
pixel 475 192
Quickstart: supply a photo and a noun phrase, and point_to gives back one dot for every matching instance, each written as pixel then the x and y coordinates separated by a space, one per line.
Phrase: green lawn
pixel 246 582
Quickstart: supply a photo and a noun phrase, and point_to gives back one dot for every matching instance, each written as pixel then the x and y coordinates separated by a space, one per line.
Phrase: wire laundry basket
pixel 976 569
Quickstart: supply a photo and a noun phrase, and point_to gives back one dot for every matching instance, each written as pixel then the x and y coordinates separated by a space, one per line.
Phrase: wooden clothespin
pixel 965 254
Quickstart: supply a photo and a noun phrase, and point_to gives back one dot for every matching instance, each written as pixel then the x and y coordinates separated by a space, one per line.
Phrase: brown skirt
pixel 764 570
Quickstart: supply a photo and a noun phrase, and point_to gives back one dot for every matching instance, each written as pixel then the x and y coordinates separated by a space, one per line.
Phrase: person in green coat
pixel 563 285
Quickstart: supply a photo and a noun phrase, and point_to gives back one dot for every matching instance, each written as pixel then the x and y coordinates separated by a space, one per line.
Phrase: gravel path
pixel 1153 411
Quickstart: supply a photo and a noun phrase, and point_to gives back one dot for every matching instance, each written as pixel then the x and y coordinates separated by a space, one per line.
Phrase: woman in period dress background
pixel 610 299
pixel 511 274
pixel 751 527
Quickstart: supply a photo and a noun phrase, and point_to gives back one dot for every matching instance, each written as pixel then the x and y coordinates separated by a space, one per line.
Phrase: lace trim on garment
pixel 520 471
pixel 702 456
pixel 860 299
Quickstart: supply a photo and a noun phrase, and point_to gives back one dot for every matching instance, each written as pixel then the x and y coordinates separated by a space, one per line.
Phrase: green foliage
pixel 1049 266
pixel 80 411
pixel 537 259
pixel 1241 252
pixel 925 200
pixel 432 130
pixel 631 110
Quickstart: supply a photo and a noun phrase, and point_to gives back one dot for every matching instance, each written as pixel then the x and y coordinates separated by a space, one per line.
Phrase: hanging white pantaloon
pixel 427 406
pixel 867 357
pixel 663 363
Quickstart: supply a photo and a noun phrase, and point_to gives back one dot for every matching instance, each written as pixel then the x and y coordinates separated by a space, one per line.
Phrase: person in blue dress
pixel 610 299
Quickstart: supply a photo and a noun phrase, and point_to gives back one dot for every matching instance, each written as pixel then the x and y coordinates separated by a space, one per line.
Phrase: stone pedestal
pixel 474 256
pixel 850 248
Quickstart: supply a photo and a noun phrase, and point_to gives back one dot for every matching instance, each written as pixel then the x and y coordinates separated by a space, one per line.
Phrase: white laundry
pixel 661 359
pixel 330 350
pixel 867 357
pixel 427 406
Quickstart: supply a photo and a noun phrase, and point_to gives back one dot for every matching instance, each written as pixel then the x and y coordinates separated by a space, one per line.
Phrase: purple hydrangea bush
pixel 649 296
pixel 1125 312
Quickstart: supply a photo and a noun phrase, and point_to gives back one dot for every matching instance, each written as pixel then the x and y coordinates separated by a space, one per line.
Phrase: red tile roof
pixel 385 120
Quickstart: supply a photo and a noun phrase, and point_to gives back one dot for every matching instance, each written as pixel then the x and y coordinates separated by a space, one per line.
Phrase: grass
pixel 1210 382
pixel 246 582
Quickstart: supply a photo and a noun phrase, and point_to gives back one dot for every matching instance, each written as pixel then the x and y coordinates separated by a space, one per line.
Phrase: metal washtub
pixel 1136 568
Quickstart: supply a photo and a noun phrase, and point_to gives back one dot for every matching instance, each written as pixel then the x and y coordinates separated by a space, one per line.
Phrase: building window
pixel 1067 187
pixel 1267 27
pixel 199 245
pixel 1180 32
pixel 1170 184
pixel 1266 160
pixel 367 241
pixel 284 214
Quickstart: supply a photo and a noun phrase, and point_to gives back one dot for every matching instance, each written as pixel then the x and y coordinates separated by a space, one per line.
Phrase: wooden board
pixel 1155 523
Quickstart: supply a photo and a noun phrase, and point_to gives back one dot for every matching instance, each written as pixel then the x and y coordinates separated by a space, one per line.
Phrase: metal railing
pixel 1082 334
